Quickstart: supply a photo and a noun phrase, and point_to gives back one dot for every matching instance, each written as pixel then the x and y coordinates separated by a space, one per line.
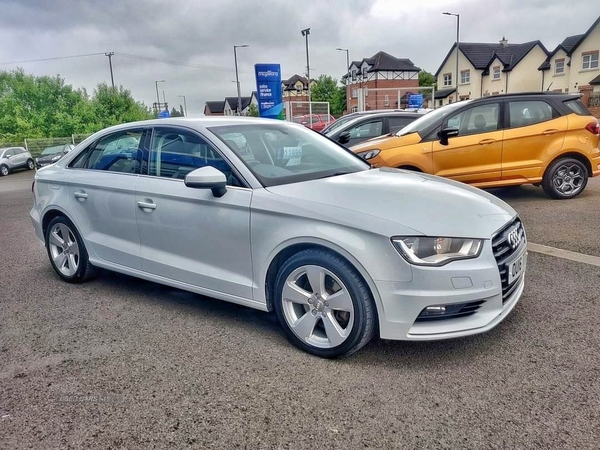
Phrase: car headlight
pixel 369 154
pixel 56 158
pixel 436 251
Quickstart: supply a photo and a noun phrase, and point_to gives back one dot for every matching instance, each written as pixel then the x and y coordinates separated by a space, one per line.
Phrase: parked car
pixel 368 126
pixel 52 154
pixel 353 115
pixel 12 158
pixel 316 122
pixel 542 138
pixel 271 215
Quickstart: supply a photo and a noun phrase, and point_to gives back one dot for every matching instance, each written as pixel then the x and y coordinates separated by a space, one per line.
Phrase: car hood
pixel 387 141
pixel 48 158
pixel 394 202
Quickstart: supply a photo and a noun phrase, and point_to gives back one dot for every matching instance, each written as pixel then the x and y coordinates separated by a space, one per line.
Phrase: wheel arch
pixel 575 155
pixel 410 167
pixel 291 249
pixel 49 216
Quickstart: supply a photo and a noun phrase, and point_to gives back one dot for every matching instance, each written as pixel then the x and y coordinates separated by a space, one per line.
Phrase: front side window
pixel 528 112
pixel 496 72
pixel 589 60
pixel 174 153
pixel 479 119
pixel 465 77
pixel 280 153
pixel 559 66
pixel 397 123
pixel 447 79
pixel 120 151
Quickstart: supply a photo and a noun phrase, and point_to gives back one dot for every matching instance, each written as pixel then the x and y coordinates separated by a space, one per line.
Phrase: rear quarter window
pixel 577 107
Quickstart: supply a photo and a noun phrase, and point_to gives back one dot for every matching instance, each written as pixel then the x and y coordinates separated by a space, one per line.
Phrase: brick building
pixel 372 75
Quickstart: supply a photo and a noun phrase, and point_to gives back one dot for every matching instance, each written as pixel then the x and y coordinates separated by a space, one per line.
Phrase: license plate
pixel 516 267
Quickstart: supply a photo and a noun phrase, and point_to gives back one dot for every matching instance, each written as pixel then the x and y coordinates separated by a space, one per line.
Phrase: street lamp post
pixel 347 71
pixel 184 104
pixel 157 96
pixel 237 78
pixel 305 33
pixel 457 46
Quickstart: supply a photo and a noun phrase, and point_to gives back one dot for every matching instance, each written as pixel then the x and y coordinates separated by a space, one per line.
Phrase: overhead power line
pixel 51 59
pixel 128 55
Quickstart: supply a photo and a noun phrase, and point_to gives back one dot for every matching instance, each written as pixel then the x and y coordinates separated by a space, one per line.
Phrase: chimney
pixel 503 42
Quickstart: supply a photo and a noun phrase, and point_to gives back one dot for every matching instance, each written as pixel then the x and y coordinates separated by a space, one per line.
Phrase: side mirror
pixel 207 178
pixel 447 133
pixel 344 137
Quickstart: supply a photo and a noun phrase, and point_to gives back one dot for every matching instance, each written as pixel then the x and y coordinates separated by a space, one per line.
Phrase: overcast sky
pixel 149 37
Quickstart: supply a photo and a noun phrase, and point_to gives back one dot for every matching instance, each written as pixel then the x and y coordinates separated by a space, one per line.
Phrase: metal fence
pixel 35 146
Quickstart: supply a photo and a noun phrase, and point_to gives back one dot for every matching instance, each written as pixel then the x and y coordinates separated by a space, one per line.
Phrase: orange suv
pixel 544 138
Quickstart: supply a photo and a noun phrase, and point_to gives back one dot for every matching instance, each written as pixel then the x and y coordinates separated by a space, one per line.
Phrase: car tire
pixel 30 164
pixel 565 178
pixel 333 320
pixel 3 170
pixel 67 252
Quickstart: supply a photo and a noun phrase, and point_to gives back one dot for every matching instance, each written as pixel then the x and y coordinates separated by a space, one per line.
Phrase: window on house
pixel 589 60
pixel 386 100
pixel 447 79
pixel 496 73
pixel 355 109
pixel 465 76
pixel 364 72
pixel 559 66
pixel 354 93
pixel 353 74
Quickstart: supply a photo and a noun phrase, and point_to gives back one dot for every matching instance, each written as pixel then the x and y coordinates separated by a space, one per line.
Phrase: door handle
pixel 146 205
pixel 80 195
pixel 487 141
pixel 547 132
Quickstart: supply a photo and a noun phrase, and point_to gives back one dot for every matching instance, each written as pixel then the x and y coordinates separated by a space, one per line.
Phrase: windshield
pixel 423 123
pixel 281 153
pixel 53 150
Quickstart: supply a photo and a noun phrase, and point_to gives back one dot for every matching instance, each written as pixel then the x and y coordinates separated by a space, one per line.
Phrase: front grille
pixel 451 311
pixel 503 252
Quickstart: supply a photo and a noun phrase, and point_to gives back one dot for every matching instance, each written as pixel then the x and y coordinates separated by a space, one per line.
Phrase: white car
pixel 274 216
pixel 12 158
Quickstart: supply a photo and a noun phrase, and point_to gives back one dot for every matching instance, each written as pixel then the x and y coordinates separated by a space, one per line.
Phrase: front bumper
pixel 475 281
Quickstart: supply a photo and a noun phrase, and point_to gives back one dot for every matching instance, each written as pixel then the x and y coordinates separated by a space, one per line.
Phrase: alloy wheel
pixel 317 306
pixel 64 250
pixel 568 179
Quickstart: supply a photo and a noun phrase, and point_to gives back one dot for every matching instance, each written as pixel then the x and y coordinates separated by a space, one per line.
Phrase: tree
pixel 426 79
pixel 325 89
pixel 253 110
pixel 175 113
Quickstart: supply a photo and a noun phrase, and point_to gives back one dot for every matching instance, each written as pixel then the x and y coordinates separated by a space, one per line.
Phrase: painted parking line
pixel 565 254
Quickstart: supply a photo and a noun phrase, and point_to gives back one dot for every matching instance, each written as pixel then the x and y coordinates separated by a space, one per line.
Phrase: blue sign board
pixel 268 89
pixel 164 114
pixel 415 101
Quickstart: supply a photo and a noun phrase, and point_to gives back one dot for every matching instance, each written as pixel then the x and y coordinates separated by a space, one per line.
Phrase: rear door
pixel 475 155
pixel 101 185
pixel 534 131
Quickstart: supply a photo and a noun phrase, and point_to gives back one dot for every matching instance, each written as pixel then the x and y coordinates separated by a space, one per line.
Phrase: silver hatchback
pixel 274 216
pixel 12 158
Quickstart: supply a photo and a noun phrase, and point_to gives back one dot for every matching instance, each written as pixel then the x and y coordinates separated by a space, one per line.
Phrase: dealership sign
pixel 268 89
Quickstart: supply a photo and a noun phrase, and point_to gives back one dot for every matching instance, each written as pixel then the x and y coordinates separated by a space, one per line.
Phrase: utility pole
pixel 112 78
pixel 305 33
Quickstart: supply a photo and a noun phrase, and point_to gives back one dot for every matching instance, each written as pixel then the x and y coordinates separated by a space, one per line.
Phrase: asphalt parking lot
pixel 123 363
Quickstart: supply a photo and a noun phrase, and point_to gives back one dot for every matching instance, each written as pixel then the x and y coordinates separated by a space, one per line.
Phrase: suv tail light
pixel 593 127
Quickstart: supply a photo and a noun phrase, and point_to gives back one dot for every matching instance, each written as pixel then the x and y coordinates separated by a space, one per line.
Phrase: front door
pixel 475 155
pixel 189 235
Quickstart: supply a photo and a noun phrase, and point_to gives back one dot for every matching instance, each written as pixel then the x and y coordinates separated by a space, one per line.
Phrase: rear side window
pixel 528 112
pixel 116 152
pixel 577 107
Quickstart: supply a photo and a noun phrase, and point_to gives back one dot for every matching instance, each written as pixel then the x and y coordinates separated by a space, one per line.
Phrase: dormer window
pixel 496 73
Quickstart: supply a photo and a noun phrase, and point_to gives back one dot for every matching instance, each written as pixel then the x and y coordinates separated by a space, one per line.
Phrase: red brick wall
pixel 586 92
pixel 375 100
